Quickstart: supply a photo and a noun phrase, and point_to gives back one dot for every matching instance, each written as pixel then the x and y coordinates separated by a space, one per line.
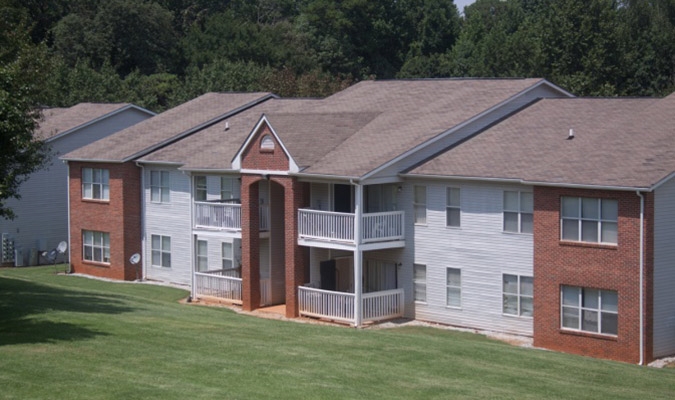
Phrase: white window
pixel 202 255
pixel 96 246
pixel 420 282
pixel 161 251
pixel 159 187
pixel 420 204
pixel 267 143
pixel 226 188
pixel 589 310
pixel 200 188
pixel 228 255
pixel 95 184
pixel 454 287
pixel 586 219
pixel 518 211
pixel 452 209
pixel 517 294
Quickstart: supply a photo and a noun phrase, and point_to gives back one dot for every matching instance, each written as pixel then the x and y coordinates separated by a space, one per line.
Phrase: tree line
pixel 160 53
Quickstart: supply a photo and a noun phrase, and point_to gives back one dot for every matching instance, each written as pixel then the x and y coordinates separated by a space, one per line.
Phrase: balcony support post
pixel 358 256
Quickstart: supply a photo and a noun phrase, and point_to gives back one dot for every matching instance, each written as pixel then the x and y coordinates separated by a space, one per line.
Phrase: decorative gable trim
pixel 258 129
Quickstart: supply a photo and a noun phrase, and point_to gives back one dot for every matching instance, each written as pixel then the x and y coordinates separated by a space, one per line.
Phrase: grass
pixel 77 338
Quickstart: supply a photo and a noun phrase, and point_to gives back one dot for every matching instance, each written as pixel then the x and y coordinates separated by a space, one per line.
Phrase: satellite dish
pixel 62 247
pixel 51 255
pixel 135 258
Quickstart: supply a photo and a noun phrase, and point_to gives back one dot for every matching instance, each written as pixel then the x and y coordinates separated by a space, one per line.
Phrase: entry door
pixel 342 198
pixel 328 281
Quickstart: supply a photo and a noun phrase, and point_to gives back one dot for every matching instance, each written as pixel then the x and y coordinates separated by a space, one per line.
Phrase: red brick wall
pixel 558 263
pixel 120 216
pixel 296 195
pixel 255 158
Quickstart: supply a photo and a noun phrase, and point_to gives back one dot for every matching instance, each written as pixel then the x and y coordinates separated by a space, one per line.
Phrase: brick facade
pixel 608 267
pixel 296 195
pixel 120 216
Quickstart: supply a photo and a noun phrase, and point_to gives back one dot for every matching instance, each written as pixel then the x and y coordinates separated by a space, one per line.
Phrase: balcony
pixel 225 216
pixel 339 306
pixel 327 226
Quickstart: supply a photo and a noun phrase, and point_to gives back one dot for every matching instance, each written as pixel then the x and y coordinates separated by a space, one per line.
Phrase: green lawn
pixel 66 337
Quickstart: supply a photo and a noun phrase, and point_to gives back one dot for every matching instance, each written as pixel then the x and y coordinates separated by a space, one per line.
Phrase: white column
pixel 358 259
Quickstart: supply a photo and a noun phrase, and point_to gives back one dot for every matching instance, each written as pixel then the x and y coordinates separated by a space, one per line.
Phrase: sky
pixel 462 3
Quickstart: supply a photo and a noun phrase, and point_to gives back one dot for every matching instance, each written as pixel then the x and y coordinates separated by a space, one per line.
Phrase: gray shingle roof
pixel 145 136
pixel 353 131
pixel 617 143
pixel 58 121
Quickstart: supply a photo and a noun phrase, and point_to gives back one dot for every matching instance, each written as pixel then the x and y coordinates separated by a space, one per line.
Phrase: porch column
pixel 358 259
pixel 250 246
pixel 296 271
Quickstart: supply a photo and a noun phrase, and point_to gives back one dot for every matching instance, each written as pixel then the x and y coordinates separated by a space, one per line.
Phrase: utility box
pixel 18 257
pixel 7 253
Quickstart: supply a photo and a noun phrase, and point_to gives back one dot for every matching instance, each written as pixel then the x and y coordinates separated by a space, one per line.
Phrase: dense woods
pixel 160 53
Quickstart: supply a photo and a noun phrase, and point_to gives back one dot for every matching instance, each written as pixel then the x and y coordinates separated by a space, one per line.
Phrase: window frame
pixel 519 295
pixel 453 287
pixel 103 246
pixel 161 252
pixel 583 310
pixel 223 257
pixel 420 205
pixel 519 212
pixel 92 185
pixel 450 206
pixel 419 283
pixel 159 192
pixel 230 180
pixel 201 188
pixel 202 259
pixel 600 221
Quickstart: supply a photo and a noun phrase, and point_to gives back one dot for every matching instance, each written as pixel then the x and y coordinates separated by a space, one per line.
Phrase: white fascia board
pixel 471 120
pixel 236 162
pixel 88 160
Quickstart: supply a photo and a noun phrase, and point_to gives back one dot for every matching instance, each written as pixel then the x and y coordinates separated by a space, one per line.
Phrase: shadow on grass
pixel 25 308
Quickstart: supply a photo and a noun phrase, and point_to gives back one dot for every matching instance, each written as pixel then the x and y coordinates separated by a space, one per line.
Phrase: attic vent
pixel 267 144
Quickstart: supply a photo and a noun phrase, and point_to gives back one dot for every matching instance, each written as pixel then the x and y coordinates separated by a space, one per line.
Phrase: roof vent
pixel 570 136
pixel 227 125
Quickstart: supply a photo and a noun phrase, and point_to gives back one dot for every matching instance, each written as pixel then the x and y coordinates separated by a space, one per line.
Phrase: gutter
pixel 642 217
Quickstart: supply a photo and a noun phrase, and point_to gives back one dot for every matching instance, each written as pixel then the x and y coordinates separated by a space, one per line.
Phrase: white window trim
pixel 519 295
pixel 581 219
pixel 202 257
pixel 230 189
pixel 201 185
pixel 581 309
pixel 103 184
pixel 420 205
pixel 519 212
pixel 420 282
pixel 222 255
pixel 448 286
pixel 161 251
pixel 105 237
pixel 161 189
pixel 457 207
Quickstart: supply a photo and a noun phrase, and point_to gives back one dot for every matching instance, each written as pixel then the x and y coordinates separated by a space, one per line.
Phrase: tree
pixel 21 66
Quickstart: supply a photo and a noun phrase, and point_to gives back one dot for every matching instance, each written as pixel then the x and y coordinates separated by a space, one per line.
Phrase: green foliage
pixel 22 66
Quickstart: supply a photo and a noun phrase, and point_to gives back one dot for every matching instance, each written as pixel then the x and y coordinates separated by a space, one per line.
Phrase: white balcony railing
pixel 327 225
pixel 220 283
pixel 226 216
pixel 339 306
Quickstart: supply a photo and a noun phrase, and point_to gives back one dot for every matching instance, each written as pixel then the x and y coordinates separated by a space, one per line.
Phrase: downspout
pixel 143 233
pixel 642 217
pixel 70 266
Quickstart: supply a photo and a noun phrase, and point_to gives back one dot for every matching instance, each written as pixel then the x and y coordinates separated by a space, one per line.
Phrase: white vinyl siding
pixel 420 204
pixel 483 251
pixel 95 184
pixel 518 211
pixel 160 186
pixel 452 207
pixel 585 219
pixel 589 310
pixel 96 246
pixel 664 269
